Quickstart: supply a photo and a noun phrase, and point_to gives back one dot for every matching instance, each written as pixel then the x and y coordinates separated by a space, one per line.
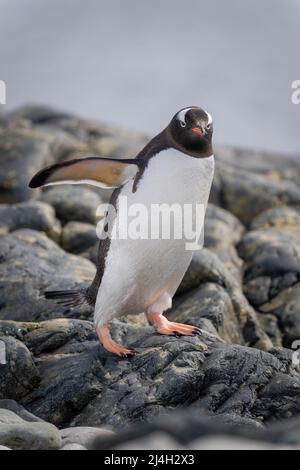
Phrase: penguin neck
pixel 156 145
pixel 163 141
pixel 204 148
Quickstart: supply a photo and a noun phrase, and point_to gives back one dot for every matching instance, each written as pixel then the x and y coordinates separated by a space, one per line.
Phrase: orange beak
pixel 197 131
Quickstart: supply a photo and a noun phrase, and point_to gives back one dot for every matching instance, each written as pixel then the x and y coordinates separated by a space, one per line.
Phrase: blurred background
pixel 135 63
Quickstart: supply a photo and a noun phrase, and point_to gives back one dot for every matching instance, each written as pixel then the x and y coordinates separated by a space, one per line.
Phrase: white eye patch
pixel 181 115
pixel 209 118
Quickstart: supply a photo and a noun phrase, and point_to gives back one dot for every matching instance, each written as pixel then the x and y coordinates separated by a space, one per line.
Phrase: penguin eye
pixel 208 126
pixel 182 123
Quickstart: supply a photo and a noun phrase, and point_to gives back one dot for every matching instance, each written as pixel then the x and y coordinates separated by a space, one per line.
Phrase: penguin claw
pixel 177 334
pixel 197 331
pixel 128 354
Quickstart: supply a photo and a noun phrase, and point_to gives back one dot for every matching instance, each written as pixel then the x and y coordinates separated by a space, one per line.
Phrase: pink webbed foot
pixel 166 327
pixel 110 345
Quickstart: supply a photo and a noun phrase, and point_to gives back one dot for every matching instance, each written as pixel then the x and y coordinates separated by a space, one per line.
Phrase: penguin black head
pixel 191 132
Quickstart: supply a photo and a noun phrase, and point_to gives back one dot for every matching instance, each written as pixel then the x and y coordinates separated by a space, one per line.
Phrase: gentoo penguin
pixel 142 275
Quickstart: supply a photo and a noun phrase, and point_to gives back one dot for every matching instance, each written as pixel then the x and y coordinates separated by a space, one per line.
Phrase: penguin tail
pixel 68 298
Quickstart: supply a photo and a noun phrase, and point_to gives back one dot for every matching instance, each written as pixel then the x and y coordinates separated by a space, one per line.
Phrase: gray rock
pixel 272 274
pixel 219 300
pixel 198 430
pixel 22 151
pixel 73 203
pixel 34 215
pixel 222 232
pixel 246 194
pixel 83 436
pixel 78 237
pixel 19 410
pixel 16 433
pixel 282 218
pixel 269 324
pixel 19 374
pixel 99 138
pixel 83 385
pixel 32 264
pixel 272 166
pixel 4 448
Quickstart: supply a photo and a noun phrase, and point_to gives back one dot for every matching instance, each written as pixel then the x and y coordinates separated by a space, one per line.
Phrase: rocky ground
pixel 237 386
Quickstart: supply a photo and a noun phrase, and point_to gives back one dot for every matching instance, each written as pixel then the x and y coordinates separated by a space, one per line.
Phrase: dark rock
pixel 35 215
pixel 272 277
pixel 78 237
pixel 217 297
pixel 32 264
pixel 18 372
pixel 205 267
pixel 73 203
pixel 83 385
pixel 269 324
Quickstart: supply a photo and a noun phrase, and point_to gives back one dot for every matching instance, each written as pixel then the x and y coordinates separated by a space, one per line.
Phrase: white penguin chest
pixel 173 177
pixel 139 270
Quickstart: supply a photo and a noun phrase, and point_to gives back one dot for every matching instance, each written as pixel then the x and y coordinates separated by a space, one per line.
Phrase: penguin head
pixel 191 131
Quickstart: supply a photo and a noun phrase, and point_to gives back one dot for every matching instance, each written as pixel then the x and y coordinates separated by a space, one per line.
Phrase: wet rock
pixel 285 306
pixel 217 297
pixel 32 264
pixel 83 385
pixel 272 274
pixel 34 215
pixel 78 237
pixel 18 372
pixel 73 203
pixel 17 433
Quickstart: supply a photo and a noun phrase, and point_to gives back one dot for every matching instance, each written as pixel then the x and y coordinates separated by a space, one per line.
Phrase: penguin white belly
pixel 140 273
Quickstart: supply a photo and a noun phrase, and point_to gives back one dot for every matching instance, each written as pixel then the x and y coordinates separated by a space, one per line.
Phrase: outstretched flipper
pixel 96 171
